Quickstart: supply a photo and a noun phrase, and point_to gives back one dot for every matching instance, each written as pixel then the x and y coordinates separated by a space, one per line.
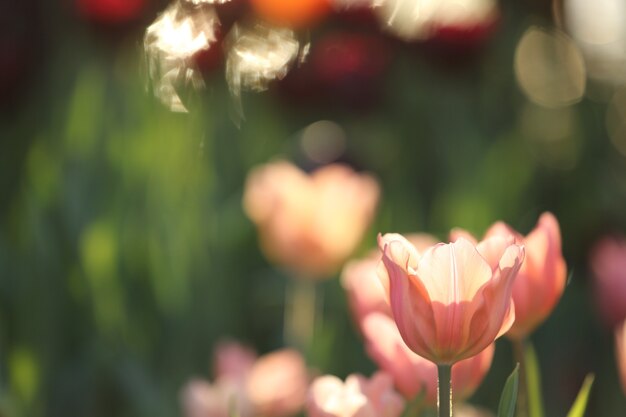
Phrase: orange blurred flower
pixel 620 352
pixel 541 279
pixel 413 374
pixel 608 263
pixel 292 13
pixel 278 383
pixel 357 397
pixel 310 223
pixel 454 300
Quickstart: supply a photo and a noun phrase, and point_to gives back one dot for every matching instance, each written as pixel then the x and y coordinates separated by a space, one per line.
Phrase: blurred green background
pixel 125 254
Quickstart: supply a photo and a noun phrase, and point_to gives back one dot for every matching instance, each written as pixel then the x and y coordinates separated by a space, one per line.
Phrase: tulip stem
pixel 522 394
pixel 444 390
pixel 300 311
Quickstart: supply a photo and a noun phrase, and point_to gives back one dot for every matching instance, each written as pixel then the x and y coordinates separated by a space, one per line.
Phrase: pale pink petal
pixel 492 249
pixel 410 303
pixel 620 353
pixel 541 280
pixel 457 232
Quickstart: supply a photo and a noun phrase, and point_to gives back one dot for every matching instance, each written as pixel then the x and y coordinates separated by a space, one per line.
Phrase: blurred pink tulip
pixel 199 398
pixel 364 290
pixel 278 383
pixel 309 224
pixel 541 279
pixel 608 263
pixel 357 397
pixel 620 352
pixel 413 374
pixel 233 360
pixel 453 301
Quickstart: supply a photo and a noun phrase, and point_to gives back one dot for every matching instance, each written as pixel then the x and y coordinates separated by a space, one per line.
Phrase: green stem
pixel 444 390
pixel 519 352
pixel 300 313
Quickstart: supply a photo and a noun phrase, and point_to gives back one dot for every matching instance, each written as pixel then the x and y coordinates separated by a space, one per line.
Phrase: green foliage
pixel 580 404
pixel 506 407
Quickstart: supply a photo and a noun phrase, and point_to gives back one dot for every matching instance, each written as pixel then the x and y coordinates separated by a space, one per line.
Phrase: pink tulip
pixel 364 290
pixel 360 280
pixel 608 263
pixel 278 383
pixel 199 398
pixel 541 279
pixel 309 224
pixel 357 397
pixel 413 374
pixel 620 352
pixel 233 360
pixel 453 301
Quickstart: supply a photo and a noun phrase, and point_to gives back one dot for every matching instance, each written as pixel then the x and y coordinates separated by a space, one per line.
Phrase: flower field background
pixel 127 249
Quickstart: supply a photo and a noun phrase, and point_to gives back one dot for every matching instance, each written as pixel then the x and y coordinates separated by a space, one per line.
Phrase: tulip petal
pixel 494 300
pixel 410 303
pixel 492 249
pixel 452 274
pixel 457 233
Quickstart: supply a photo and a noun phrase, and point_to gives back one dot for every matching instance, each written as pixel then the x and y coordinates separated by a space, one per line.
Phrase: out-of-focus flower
pixel 290 13
pixel 608 263
pixel 200 398
pixel 309 223
pixel 259 53
pixel 171 44
pixel 453 301
pixel 233 360
pixel 357 397
pixel 278 383
pixel 413 374
pixel 111 11
pixel 541 279
pixel 365 292
pixel 620 353
pixel 350 66
pixel 423 19
pixel 360 280
pixel 599 28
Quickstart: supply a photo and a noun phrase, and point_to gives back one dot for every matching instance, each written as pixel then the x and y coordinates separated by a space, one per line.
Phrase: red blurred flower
pixel 111 11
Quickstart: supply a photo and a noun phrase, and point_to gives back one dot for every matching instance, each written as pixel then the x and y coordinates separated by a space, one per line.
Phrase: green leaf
pixel 579 406
pixel 506 408
pixel 533 382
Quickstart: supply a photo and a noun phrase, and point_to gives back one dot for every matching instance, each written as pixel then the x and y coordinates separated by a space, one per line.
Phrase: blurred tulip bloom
pixel 413 374
pixel 200 398
pixel 233 360
pixel 311 223
pixel 608 263
pixel 278 383
pixel 453 301
pixel 357 397
pixel 541 279
pixel 620 352
pixel 111 11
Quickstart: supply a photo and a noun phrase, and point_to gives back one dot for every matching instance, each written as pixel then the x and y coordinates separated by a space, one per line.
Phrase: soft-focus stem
pixel 300 311
pixel 444 390
pixel 522 393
